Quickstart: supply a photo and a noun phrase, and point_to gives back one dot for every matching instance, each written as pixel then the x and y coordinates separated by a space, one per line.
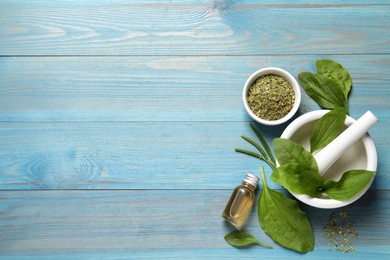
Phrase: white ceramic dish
pixel 279 72
pixel 361 155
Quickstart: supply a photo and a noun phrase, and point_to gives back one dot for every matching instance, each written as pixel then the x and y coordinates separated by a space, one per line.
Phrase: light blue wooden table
pixel 119 119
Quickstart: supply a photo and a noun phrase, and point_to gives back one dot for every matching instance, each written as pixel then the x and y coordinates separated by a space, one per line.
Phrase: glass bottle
pixel 240 203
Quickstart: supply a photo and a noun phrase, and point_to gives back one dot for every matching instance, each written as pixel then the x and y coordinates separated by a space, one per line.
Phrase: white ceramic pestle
pixel 330 153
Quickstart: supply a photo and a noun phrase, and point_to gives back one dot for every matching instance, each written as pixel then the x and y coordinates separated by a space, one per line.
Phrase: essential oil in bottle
pixel 241 201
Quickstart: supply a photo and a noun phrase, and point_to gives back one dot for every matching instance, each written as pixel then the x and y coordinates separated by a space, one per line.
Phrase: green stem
pixel 264 143
pixel 257 155
pixel 346 105
pixel 258 147
pixel 264 245
pixel 263 176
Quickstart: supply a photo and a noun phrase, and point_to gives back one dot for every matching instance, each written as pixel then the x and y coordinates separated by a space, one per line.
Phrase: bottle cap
pixel 251 179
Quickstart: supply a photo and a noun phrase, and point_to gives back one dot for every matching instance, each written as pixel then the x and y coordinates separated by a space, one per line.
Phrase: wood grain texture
pixel 193 27
pixel 139 155
pixel 119 119
pixel 149 224
pixel 165 118
pixel 170 88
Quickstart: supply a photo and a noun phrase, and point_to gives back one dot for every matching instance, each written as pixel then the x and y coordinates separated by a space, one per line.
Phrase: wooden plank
pixel 162 224
pixel 138 155
pixel 169 88
pixel 193 27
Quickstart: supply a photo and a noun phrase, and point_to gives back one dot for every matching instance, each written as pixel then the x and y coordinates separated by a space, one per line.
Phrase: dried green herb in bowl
pixel 271 96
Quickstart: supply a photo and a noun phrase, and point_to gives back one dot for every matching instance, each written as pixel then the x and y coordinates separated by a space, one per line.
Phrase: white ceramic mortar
pixel 352 149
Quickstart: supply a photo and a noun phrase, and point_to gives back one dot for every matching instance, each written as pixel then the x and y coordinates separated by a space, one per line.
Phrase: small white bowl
pixel 361 155
pixel 279 72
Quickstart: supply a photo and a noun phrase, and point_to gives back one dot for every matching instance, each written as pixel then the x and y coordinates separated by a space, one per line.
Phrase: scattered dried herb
pixel 271 97
pixel 340 231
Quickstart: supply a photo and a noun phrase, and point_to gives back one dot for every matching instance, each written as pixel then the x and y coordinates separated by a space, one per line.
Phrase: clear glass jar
pixel 240 203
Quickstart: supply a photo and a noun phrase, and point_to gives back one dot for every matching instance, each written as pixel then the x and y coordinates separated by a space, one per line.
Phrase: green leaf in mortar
pixel 350 184
pixel 288 151
pixel 299 178
pixel 327 128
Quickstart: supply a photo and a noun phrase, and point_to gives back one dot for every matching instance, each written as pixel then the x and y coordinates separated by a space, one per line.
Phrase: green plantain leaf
pixel 322 90
pixel 282 219
pixel 350 184
pixel 335 72
pixel 288 151
pixel 241 239
pixel 299 178
pixel 327 128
